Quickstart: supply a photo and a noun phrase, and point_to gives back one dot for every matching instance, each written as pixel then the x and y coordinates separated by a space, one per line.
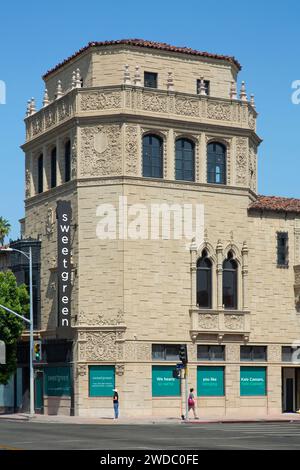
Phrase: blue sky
pixel 263 36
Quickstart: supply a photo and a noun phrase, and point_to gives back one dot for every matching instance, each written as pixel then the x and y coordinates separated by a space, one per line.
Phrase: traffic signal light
pixel 176 373
pixel 183 354
pixel 37 350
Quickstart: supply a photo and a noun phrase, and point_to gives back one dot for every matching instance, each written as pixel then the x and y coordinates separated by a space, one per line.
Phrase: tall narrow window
pixel 152 156
pixel 230 282
pixel 40 172
pixel 67 161
pixel 185 160
pixel 53 168
pixel 216 163
pixel 204 271
pixel 282 249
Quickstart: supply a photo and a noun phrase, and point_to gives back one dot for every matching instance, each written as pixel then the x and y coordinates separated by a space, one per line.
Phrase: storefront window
pixel 163 382
pixel 101 381
pixel 253 381
pixel 210 381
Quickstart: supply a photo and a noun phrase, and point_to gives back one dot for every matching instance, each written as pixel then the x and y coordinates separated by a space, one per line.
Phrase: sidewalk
pixel 286 417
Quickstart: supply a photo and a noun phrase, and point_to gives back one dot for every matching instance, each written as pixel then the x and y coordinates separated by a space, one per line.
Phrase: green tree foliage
pixel 4 229
pixel 17 299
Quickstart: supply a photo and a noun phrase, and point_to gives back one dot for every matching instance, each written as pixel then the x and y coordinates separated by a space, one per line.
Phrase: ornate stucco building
pixel 155 123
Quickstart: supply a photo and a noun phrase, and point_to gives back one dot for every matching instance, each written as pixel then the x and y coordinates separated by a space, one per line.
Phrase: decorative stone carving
pixel 187 107
pixel 37 125
pixel 50 116
pixel 100 163
pixel 208 321
pixel 81 370
pixel 130 350
pixel 50 223
pixel 96 101
pixel 120 369
pixel 63 109
pixel 154 102
pixel 74 158
pixel 192 352
pixel 252 168
pixel 233 322
pixel 100 346
pixel 219 111
pixel 131 149
pixel 241 160
pixel 100 319
pixel 251 121
pixel 27 184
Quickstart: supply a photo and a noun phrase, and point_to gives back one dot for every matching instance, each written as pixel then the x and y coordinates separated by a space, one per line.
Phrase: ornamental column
pixel 245 252
pixel 219 251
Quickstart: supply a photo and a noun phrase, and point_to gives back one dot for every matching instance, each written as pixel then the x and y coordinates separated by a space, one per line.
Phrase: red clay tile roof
pixel 149 44
pixel 276 204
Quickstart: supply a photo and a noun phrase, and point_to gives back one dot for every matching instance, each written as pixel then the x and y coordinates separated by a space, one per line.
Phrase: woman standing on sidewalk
pixel 192 403
pixel 116 403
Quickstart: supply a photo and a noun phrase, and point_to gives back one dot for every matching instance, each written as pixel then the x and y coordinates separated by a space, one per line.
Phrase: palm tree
pixel 4 229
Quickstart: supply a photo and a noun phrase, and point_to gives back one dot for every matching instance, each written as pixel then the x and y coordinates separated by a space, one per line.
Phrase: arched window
pixel 152 156
pixel 184 160
pixel 40 174
pixel 204 276
pixel 53 168
pixel 216 163
pixel 230 271
pixel 67 161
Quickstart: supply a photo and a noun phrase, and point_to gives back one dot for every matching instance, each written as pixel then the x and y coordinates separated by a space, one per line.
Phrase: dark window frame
pixel 282 249
pixel 230 270
pixel 251 350
pixel 184 157
pixel 204 274
pixel 206 85
pixel 53 167
pixel 210 354
pixel 67 161
pixel 40 174
pixel 216 163
pixel 152 148
pixel 164 350
pixel 150 79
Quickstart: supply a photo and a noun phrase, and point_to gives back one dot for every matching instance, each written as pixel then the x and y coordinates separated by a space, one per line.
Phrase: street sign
pixel 180 366
pixel 2 353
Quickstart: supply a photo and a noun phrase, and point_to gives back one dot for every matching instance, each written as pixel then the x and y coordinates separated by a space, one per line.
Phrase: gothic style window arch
pixel 216 163
pixel 204 281
pixel 184 160
pixel 53 166
pixel 152 156
pixel 230 282
pixel 67 161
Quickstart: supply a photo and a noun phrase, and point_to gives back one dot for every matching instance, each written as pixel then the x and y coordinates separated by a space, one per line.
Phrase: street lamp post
pixel 31 383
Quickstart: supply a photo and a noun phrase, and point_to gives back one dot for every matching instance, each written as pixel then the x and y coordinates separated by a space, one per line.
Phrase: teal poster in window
pixel 57 381
pixel 101 381
pixel 163 382
pixel 253 381
pixel 210 381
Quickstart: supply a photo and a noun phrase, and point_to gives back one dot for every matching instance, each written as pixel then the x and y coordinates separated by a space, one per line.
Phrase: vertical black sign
pixel 64 216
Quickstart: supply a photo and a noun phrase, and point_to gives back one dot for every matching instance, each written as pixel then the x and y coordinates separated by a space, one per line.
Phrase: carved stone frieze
pixel 143 352
pixel 100 346
pixel 81 370
pixel 208 321
pixel 63 109
pixel 96 100
pixel 274 353
pixel 252 168
pixel 154 102
pixel 27 183
pixel 186 107
pixel 232 352
pixel 104 159
pixel 219 111
pixel 233 322
pixel 50 116
pixel 101 320
pixel 37 125
pixel 130 350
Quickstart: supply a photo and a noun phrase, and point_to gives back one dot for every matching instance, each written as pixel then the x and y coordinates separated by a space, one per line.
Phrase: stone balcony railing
pixel 127 99
pixel 217 323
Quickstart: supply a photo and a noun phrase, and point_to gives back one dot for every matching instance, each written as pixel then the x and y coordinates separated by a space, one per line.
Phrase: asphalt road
pixel 35 436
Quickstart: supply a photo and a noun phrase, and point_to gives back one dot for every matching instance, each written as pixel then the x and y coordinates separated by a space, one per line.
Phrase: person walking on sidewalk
pixel 192 403
pixel 116 403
